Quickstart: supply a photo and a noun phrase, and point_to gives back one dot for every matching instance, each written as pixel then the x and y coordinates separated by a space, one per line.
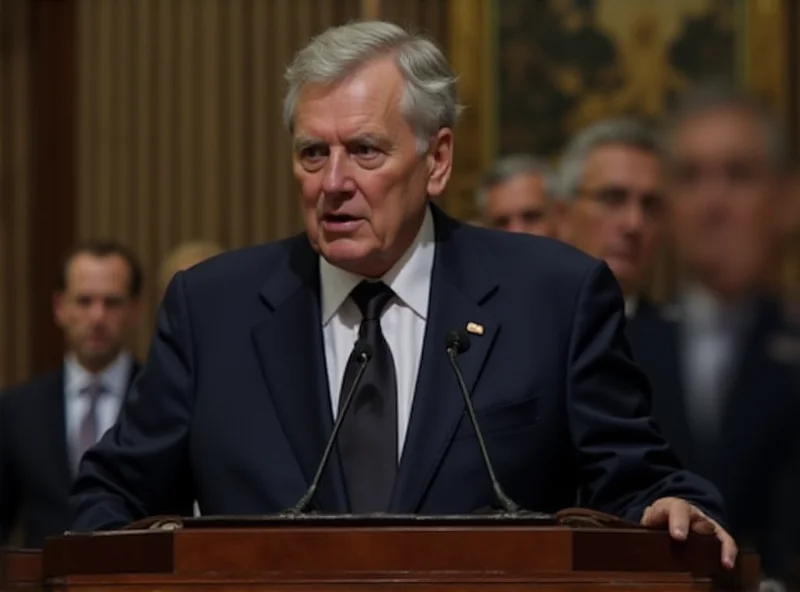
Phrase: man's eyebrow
pixel 302 142
pixel 367 138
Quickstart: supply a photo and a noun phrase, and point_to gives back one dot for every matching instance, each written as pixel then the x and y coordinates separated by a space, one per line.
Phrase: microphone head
pixel 363 349
pixel 457 341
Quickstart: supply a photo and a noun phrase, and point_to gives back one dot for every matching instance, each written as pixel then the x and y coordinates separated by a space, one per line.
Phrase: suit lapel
pixel 670 392
pixel 136 367
pixel 291 353
pixel 458 289
pixel 747 374
pixel 55 418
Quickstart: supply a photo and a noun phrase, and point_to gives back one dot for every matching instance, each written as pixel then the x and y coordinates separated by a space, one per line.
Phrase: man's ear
pixel 440 161
pixel 58 308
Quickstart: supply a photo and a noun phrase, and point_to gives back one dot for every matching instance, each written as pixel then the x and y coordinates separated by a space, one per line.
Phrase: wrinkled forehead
pixel 623 164
pixel 721 133
pixel 368 100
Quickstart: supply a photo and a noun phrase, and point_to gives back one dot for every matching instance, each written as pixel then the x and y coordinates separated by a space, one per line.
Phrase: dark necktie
pixel 89 429
pixel 368 440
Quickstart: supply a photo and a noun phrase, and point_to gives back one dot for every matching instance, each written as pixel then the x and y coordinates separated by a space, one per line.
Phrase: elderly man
pixel 514 195
pixel 724 357
pixel 611 194
pixel 254 351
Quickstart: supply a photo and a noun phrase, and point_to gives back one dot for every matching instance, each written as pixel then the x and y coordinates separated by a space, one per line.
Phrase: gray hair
pixel 429 102
pixel 510 167
pixel 722 96
pixel 624 131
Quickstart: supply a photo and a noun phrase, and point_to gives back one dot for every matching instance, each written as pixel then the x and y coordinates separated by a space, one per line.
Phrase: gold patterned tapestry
pixel 563 64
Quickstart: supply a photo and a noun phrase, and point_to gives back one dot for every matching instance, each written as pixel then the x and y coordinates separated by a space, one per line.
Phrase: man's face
pixel 519 204
pixel 96 310
pixel 364 187
pixel 724 199
pixel 617 215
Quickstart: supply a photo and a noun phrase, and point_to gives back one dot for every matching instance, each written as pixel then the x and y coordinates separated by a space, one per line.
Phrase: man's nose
pixel 516 224
pixel 337 174
pixel 633 217
pixel 97 311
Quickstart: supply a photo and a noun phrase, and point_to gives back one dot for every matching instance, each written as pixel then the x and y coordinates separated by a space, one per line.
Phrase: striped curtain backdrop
pixel 179 133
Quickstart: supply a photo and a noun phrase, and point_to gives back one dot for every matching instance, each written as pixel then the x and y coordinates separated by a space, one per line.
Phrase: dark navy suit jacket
pixel 35 469
pixel 233 404
pixel 754 463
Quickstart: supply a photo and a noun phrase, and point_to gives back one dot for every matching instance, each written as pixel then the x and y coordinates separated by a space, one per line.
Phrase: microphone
pixel 457 343
pixel 363 353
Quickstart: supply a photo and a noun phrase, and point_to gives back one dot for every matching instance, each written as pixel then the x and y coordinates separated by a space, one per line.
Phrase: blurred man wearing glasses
pixel 610 190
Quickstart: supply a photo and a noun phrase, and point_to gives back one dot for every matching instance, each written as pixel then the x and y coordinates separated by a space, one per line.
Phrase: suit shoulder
pixel 523 254
pixel 246 264
pixel 29 394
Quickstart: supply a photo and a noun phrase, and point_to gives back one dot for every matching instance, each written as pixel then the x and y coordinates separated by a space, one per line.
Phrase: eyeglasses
pixel 617 199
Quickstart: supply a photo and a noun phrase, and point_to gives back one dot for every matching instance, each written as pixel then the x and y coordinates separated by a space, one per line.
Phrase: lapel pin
pixel 474 328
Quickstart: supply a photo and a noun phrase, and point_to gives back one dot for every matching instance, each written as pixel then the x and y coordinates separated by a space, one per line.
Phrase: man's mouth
pixel 339 218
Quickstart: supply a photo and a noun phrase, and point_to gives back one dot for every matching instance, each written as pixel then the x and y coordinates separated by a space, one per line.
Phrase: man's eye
pixel 365 150
pixel 313 152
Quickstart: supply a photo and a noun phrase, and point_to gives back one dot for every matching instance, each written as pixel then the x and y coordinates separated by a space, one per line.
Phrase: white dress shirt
pixel 402 321
pixel 711 336
pixel 631 306
pixel 114 378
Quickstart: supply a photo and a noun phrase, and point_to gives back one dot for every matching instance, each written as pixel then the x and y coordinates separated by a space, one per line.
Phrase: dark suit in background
pixel 233 407
pixel 36 471
pixel 753 458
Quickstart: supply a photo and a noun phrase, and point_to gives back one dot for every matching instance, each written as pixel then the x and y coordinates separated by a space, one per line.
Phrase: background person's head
pixel 184 256
pixel 728 183
pixel 370 108
pixel 515 193
pixel 96 302
pixel 611 197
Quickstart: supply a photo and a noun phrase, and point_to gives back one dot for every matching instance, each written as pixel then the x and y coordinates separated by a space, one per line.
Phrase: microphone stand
pixel 364 356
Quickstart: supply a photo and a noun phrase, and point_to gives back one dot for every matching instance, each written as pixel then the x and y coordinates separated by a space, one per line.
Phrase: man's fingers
pixel 680 516
pixel 655 515
pixel 679 520
pixel 729 548
pixel 702 524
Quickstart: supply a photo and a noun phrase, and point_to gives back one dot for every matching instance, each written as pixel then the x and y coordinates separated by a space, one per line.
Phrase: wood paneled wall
pixel 158 121
pixel 179 132
pixel 15 190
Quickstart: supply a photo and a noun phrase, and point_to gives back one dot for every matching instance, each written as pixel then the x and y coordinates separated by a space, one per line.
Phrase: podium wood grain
pixel 398 559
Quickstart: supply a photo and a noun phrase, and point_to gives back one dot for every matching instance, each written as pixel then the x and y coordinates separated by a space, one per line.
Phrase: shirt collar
pixel 409 278
pixel 704 309
pixel 631 306
pixel 113 377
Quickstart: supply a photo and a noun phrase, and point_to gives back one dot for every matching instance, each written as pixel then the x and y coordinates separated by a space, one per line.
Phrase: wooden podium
pixel 20 570
pixel 316 553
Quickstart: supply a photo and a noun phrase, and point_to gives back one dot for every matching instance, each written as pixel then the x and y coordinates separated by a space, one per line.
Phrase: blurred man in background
pixel 515 195
pixel 47 424
pixel 610 190
pixel 724 359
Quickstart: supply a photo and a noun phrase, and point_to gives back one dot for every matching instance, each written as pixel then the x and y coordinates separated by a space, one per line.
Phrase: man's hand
pixel 680 516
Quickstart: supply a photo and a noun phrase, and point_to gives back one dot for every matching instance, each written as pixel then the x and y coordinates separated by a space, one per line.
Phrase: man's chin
pixel 95 357
pixel 344 250
pixel 622 268
pixel 351 255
